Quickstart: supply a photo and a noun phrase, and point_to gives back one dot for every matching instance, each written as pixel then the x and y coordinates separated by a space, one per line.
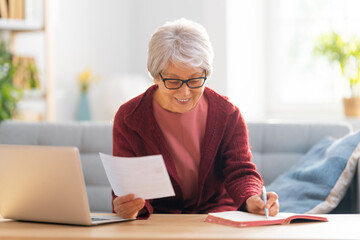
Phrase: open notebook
pixel 244 219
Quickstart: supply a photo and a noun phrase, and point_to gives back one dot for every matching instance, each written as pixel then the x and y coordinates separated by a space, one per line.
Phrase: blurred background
pixel 274 59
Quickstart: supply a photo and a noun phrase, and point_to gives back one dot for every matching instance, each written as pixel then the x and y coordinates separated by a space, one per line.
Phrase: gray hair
pixel 180 41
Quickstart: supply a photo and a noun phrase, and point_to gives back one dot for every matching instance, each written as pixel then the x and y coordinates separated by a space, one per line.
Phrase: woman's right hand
pixel 128 207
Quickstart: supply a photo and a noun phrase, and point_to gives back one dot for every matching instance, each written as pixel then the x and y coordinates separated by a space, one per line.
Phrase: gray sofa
pixel 275 147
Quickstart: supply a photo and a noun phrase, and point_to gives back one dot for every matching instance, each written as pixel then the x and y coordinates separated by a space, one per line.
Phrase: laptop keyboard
pixel 96 219
pixel 100 218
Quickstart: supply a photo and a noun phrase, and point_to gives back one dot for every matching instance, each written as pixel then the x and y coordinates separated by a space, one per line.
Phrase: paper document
pixel 146 177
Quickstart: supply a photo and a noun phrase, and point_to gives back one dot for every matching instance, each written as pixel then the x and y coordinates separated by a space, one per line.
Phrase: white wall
pixel 246 62
pixel 111 38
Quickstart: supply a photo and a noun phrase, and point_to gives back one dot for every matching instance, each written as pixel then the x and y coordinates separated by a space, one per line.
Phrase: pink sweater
pixel 184 133
pixel 226 176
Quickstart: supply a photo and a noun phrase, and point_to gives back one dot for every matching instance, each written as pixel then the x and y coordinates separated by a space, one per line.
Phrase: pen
pixel 264 197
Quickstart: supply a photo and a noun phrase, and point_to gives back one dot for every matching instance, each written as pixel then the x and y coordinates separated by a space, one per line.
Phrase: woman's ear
pixel 156 81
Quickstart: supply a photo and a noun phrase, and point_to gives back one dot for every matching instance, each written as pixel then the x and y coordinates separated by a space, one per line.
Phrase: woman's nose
pixel 185 90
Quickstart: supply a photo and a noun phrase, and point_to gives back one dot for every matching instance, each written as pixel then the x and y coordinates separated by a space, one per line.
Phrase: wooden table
pixel 173 227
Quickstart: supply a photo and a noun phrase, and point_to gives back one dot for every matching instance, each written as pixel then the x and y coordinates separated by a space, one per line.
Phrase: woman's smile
pixel 183 99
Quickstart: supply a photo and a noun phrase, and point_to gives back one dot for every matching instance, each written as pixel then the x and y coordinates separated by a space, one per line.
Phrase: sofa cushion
pixel 320 179
pixel 276 146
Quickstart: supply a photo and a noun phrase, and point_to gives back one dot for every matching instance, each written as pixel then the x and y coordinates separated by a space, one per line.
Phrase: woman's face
pixel 183 99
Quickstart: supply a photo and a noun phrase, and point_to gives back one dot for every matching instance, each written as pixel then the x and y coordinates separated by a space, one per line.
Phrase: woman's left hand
pixel 255 204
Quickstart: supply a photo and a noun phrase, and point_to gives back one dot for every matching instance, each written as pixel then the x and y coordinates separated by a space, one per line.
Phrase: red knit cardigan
pixel 227 177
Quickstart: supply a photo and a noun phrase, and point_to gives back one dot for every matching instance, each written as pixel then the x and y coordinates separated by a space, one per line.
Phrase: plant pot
pixel 352 106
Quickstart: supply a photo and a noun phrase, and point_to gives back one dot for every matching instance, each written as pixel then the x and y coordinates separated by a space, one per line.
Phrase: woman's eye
pixel 173 81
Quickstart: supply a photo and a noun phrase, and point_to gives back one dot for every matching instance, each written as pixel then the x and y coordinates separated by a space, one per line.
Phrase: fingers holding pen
pixel 272 203
pixel 255 204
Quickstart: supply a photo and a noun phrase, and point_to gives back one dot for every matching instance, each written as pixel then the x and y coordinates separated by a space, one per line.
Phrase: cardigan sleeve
pixel 122 147
pixel 241 177
pixel 121 142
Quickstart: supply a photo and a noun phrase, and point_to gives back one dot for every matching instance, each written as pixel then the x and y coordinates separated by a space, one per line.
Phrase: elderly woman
pixel 202 136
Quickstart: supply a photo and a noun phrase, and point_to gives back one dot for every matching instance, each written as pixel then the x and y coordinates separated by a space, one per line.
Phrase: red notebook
pixel 244 219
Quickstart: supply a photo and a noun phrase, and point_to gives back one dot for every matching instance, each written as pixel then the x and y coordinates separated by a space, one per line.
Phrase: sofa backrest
pixel 276 146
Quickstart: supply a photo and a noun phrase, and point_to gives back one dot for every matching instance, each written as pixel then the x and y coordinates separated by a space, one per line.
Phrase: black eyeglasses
pixel 172 83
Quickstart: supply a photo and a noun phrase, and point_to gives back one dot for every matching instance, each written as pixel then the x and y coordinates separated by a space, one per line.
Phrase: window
pixel 272 70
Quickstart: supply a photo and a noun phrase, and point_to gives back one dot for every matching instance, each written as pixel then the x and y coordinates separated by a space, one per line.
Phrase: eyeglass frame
pixel 183 81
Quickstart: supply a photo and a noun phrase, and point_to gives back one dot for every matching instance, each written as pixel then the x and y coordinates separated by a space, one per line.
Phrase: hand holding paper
pixel 146 177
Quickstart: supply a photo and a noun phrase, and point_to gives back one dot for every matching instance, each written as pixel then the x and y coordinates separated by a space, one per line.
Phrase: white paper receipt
pixel 146 177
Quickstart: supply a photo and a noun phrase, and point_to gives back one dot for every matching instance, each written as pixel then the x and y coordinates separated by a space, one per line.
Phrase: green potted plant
pixel 9 94
pixel 347 55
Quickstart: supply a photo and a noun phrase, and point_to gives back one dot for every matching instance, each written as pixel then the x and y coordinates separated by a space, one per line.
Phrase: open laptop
pixel 45 184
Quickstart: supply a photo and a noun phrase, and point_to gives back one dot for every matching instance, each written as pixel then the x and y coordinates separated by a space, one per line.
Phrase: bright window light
pixel 272 70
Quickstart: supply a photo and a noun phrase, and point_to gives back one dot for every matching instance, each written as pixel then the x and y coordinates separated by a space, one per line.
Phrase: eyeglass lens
pixel 194 83
pixel 177 83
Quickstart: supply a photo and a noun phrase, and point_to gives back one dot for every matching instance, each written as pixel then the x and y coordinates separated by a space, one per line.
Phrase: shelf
pixel 20 25
pixel 17 29
pixel 33 109
pixel 33 18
